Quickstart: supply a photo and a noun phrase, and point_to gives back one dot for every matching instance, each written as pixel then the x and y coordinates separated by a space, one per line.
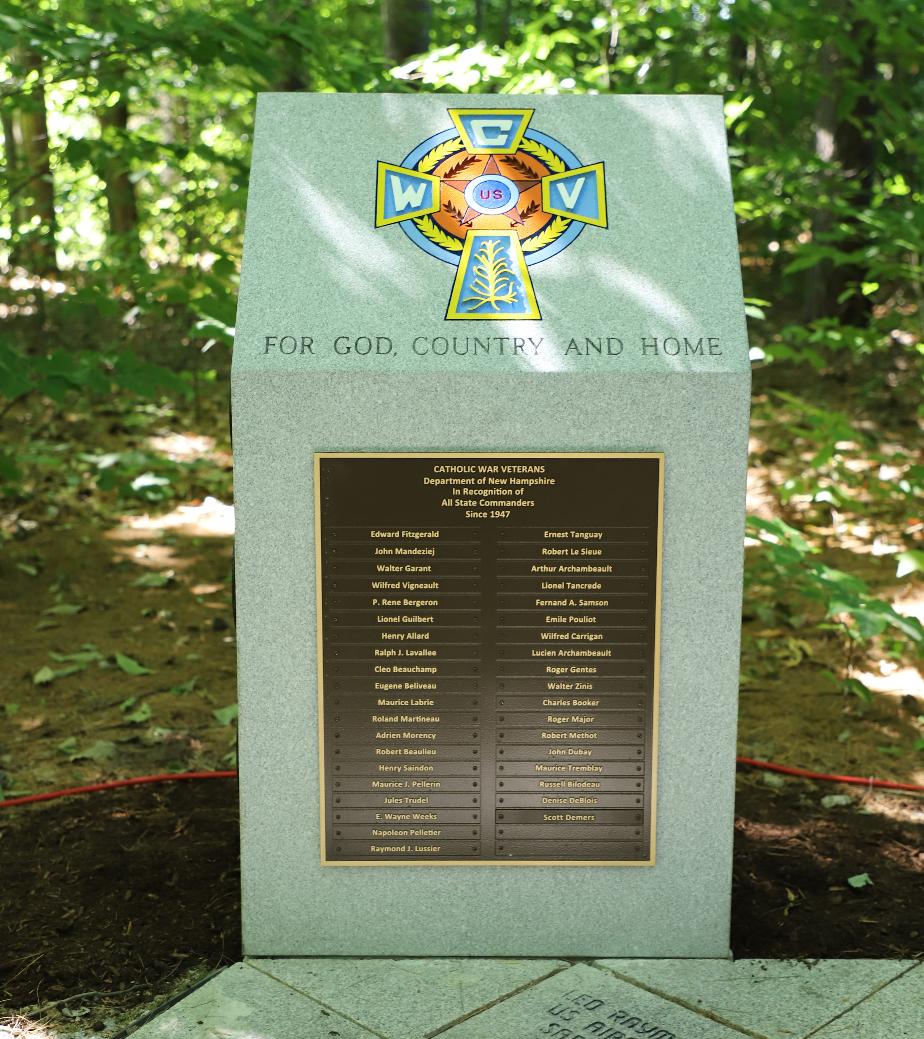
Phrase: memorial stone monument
pixel 490 402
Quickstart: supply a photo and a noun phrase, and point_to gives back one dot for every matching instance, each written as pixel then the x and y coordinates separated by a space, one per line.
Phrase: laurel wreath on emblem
pixel 548 234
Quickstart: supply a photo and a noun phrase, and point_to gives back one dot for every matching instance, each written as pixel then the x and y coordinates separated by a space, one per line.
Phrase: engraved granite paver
pixel 243 1003
pixel 895 1012
pixel 407 998
pixel 585 1002
pixel 775 999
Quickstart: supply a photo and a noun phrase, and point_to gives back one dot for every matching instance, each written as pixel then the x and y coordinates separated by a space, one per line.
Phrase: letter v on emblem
pixel 571 195
pixel 568 194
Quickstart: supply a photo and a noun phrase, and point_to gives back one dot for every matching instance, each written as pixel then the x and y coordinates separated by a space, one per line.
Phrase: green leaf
pixel 225 715
pixel 86 656
pixel 909 562
pixel 63 609
pixel 130 666
pixel 856 688
pixel 860 880
pixel 27 569
pixel 100 751
pixel 139 717
pixel 184 687
pixel 154 580
pixel 68 746
pixel 836 800
pixel 43 676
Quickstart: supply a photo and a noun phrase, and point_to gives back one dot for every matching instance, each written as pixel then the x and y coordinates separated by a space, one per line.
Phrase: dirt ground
pixel 111 900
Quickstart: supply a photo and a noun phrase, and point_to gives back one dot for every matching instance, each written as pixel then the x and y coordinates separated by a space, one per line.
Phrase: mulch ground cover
pixel 120 894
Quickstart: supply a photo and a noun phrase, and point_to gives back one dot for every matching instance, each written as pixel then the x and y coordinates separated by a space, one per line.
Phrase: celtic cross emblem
pixel 493 198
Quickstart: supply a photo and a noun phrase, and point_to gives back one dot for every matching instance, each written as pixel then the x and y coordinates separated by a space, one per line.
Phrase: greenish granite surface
pixel 680 907
pixel 773 999
pixel 408 998
pixel 583 1002
pixel 347 998
pixel 314 266
pixel 244 1003
pixel 896 1012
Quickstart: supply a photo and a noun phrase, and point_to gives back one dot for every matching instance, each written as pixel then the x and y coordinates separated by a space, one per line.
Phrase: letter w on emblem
pixel 405 195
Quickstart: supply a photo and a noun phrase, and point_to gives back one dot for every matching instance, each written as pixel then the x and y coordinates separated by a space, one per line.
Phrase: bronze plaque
pixel 488 629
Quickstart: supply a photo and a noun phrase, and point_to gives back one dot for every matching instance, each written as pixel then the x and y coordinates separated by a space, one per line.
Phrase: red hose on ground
pixel 167 777
pixel 788 770
pixel 173 777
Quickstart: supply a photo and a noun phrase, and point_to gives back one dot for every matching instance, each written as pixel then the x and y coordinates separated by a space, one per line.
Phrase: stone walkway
pixel 550 999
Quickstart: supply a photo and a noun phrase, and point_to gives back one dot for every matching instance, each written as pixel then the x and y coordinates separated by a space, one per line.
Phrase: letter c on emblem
pixel 480 129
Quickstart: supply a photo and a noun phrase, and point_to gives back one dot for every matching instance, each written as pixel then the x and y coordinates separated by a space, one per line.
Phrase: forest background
pixel 126 138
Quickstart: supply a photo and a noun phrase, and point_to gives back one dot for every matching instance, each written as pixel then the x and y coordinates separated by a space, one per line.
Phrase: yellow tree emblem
pixel 493 279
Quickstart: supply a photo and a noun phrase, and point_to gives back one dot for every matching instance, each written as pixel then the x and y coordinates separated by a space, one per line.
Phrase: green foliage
pixel 92 374
pixel 150 121
pixel 786 561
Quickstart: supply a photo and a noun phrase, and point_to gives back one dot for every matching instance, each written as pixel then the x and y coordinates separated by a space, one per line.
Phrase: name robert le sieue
pixel 496 346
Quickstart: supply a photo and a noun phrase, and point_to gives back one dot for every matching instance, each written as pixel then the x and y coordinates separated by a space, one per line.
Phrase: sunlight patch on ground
pixel 762 499
pixel 212 518
pixel 162 558
pixel 901 808
pixel 768 831
pixel 893 680
pixel 207 589
pixel 910 602
pixel 23 1028
pixel 187 447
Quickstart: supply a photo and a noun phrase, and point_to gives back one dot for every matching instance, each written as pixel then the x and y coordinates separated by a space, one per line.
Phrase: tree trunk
pixel 14 175
pixel 406 24
pixel 820 289
pixel 846 141
pixel 856 151
pixel 34 191
pixel 291 58
pixel 121 203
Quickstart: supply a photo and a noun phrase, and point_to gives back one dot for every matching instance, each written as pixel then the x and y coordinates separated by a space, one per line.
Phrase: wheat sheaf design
pixel 555 229
pixel 494 281
pixel 436 155
pixel 431 230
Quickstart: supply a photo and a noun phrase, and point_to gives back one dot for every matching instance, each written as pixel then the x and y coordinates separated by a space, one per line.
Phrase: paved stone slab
pixel 407 998
pixel 243 1003
pixel 585 1002
pixel 775 999
pixel 894 1012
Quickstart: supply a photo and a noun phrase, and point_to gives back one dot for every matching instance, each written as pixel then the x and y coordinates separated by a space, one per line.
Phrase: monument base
pixel 510 999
